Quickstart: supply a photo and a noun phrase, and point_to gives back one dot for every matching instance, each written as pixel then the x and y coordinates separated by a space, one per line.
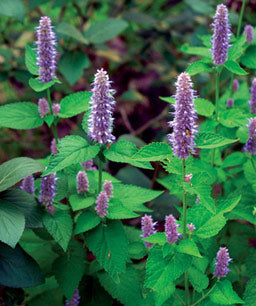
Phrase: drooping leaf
pixel 212 226
pixel 155 151
pixel 30 60
pixel 38 86
pixel 78 201
pixel 188 247
pixel 211 140
pixel 198 67
pixel 224 294
pixel 200 51
pixel 198 279
pixel 86 221
pixel 234 67
pixel 116 210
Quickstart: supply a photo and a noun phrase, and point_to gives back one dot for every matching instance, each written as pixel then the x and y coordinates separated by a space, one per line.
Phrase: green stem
pixel 253 164
pixel 240 19
pixel 179 298
pixel 54 128
pixel 205 296
pixel 100 174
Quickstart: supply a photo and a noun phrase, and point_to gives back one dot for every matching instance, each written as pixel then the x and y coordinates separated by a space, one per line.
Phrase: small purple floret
pixel 235 85
pixel 248 31
pixel 56 109
pixel 222 262
pixel 88 165
pixel 43 107
pixel 82 183
pixel 250 145
pixel 171 231
pixel 75 299
pixel 252 103
pixel 54 147
pixel 230 102
pixel 46 52
pixel 28 184
pixel 184 124
pixel 191 227
pixel 108 188
pixel 221 35
pixel 100 122
pixel 47 192
pixel 102 204
pixel 148 228
pixel 197 199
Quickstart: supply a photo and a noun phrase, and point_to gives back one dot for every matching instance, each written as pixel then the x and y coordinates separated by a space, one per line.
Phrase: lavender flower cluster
pixel 75 299
pixel 48 192
pixel 222 262
pixel 82 182
pixel 250 145
pixel 103 199
pixel 28 184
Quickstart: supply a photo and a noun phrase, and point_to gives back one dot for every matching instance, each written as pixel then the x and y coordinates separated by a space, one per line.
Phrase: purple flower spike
pixel 250 145
pixel 253 97
pixel 222 262
pixel 56 109
pixel 248 31
pixel 230 102
pixel 88 165
pixel 102 204
pixel 82 183
pixel 148 228
pixel 46 52
pixel 54 147
pixel 28 184
pixel 184 124
pixel 235 85
pixel 221 35
pixel 197 199
pixel 108 188
pixel 43 107
pixel 102 104
pixel 75 299
pixel 188 177
pixel 171 231
pixel 47 192
pixel 191 227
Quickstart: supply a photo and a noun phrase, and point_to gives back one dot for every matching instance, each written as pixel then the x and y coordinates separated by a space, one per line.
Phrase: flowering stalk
pixel 148 228
pixel 252 103
pixel 75 299
pixel 108 188
pixel 235 85
pixel 102 204
pixel 28 184
pixel 230 102
pixel 47 192
pixel 248 31
pixel 82 183
pixel 250 145
pixel 222 262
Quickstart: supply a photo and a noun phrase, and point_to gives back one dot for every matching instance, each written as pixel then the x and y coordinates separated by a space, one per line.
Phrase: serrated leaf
pixel 233 118
pixel 16 169
pixel 69 30
pixel 155 151
pixel 200 51
pixel 198 280
pixel 122 151
pixel 234 67
pixel 20 115
pixel 74 104
pixel 198 67
pixel 117 210
pixel 188 247
pixel 157 238
pixel 78 201
pixel 236 49
pixel 226 205
pixel 212 226
pixel 30 60
pixel 109 244
pixel 234 159
pixel 211 140
pixel 104 30
pixel 204 107
pixel 224 294
pixel 69 269
pixel 38 86
pixel 249 59
pixel 12 223
pixel 86 221
pixel 72 150
pixel 250 292
pixel 60 227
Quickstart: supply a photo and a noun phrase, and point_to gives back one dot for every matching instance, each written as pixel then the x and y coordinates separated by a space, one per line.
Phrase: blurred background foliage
pixel 139 42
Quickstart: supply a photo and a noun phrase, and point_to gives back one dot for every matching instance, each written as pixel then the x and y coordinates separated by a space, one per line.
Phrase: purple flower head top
pixel 191 227
pixel 197 199
pixel 230 102
pixel 28 184
pixel 222 262
pixel 250 145
pixel 253 97
pixel 235 85
pixel 43 107
pixel 171 231
pixel 82 183
pixel 88 165
pixel 56 109
pixel 102 204
pixel 102 104
pixel 54 147
pixel 46 52
pixel 184 124
pixel 248 31
pixel 188 177
pixel 221 35
pixel 108 188
pixel 148 228
pixel 75 299
pixel 47 192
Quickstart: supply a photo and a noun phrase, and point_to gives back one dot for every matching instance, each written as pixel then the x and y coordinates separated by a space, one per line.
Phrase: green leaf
pixel 69 30
pixel 20 115
pixel 60 226
pixel 117 210
pixel 16 169
pixel 198 67
pixel 72 150
pixel 157 238
pixel 74 104
pixel 86 221
pixel 200 6
pixel 224 294
pixel 122 151
pixel 30 60
pixel 200 51
pixel 212 226
pixel 18 269
pixel 234 159
pixel 109 244
pixel 250 292
pixel 104 30
pixel 69 269
pixel 155 151
pixel 249 58
pixel 38 86
pixel 170 100
pixel 234 67
pixel 198 280
pixel 13 8
pixel 236 49
pixel 204 107
pixel 12 223
pixel 78 201
pixel 72 64
pixel 211 140
pixel 188 247
pixel 233 117
pixel 228 204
